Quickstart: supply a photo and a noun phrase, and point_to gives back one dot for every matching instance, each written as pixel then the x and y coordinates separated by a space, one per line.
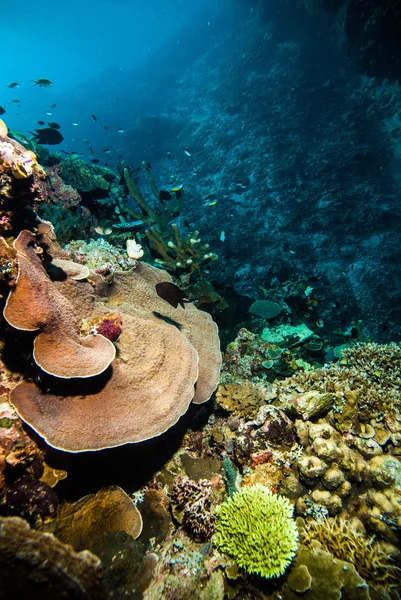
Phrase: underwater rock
pixel 37 565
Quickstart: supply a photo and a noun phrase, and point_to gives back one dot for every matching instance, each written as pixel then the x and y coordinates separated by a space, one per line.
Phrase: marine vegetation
pixel 256 528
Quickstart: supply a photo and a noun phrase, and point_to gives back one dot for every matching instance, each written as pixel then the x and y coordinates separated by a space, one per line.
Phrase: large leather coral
pixel 36 305
pixel 162 353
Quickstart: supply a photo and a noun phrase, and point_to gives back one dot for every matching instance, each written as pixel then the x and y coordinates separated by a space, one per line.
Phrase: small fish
pixel 320 323
pixel 54 125
pixel 107 150
pixel 2 110
pixel 75 124
pixel 13 85
pixel 171 293
pixel 187 152
pixel 41 123
pixel 103 230
pixel 49 114
pixel 48 136
pixel 106 127
pixel 222 236
pixel 15 101
pixel 95 161
pixel 176 188
pixel 120 130
pixel 53 105
pixel 94 117
pixel 42 82
pixel 212 203
pixel 163 195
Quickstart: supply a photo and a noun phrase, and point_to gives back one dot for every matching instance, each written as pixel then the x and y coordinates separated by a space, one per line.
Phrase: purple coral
pixel 194 499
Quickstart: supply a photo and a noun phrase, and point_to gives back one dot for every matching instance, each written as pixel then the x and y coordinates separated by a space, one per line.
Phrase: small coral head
pixel 111 326
pixel 256 528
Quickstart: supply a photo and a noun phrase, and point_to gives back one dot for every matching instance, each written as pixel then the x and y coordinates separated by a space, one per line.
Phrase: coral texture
pixel 255 527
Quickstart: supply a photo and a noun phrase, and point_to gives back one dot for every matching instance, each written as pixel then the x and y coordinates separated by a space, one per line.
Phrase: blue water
pixel 286 113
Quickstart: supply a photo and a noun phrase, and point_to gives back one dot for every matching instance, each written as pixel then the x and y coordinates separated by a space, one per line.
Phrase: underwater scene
pixel 200 300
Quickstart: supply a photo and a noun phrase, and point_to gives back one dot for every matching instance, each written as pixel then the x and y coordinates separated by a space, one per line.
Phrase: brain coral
pixel 255 528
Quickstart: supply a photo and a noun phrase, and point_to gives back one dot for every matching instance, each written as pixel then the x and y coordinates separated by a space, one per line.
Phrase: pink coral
pixel 111 327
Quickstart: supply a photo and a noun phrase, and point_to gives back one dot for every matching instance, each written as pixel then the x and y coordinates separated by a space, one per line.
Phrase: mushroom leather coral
pixel 151 387
pixel 36 305
pixel 134 294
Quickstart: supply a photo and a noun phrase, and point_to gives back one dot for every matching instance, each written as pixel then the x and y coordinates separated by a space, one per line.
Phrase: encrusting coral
pixel 255 527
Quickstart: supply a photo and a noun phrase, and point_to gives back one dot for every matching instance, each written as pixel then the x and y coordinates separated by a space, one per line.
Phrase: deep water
pixel 289 123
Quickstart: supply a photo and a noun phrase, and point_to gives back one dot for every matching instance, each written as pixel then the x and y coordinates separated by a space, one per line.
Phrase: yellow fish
pixel 3 128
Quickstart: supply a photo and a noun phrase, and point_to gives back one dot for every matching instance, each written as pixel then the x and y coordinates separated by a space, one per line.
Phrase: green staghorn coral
pixel 255 528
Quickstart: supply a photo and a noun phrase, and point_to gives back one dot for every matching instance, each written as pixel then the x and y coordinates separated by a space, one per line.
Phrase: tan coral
pixel 36 305
pixel 134 294
pixel 150 388
pixel 86 524
pixel 72 269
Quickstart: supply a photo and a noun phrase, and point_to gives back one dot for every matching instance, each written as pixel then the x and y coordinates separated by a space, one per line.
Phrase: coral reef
pixel 194 499
pixel 124 407
pixel 21 185
pixel 37 565
pixel 35 304
pixel 256 528
pixel 86 524
pixel 372 561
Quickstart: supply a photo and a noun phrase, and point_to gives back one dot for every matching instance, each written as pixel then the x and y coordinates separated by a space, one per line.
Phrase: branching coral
pixel 255 527
pixel 169 205
pixel 194 498
pixel 337 537
pixel 186 257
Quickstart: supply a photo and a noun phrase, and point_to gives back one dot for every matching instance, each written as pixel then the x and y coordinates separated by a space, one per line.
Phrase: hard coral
pixel 370 560
pixel 163 351
pixel 37 565
pixel 36 305
pixel 21 184
pixel 147 393
pixel 255 527
pixel 194 498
